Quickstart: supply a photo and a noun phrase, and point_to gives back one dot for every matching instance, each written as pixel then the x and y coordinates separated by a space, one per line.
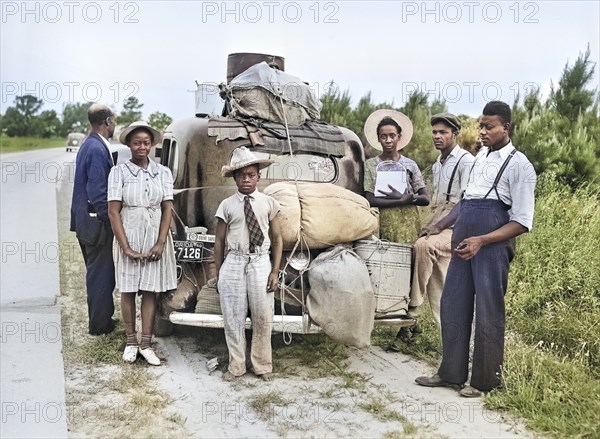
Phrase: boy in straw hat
pixel 247 227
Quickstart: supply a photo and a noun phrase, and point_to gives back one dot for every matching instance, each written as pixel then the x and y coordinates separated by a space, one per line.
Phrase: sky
pixel 468 52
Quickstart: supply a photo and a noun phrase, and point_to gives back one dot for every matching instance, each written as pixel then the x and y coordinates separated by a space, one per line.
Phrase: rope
pixel 382 246
pixel 192 281
pixel 287 131
pixel 301 242
pixel 287 337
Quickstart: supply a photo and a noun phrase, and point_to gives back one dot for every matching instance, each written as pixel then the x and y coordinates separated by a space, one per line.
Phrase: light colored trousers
pixel 243 285
pixel 432 257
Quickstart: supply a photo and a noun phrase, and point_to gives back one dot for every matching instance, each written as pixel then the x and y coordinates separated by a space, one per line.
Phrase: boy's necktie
pixel 256 234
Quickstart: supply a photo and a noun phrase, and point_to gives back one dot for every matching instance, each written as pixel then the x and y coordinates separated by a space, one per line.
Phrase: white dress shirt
pixel 443 171
pixel 515 188
pixel 107 144
pixel 231 211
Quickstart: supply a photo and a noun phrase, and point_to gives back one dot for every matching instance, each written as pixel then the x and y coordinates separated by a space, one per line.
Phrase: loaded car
pixel 74 140
pixel 317 176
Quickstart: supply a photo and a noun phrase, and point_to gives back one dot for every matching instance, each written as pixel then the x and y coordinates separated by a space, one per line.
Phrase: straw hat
pixel 241 158
pixel 373 120
pixel 157 136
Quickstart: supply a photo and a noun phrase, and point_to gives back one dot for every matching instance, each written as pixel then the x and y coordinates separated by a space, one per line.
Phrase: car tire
pixel 163 327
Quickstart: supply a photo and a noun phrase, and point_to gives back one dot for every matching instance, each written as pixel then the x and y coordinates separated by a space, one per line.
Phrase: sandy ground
pixel 202 405
pixel 372 394
pixel 323 407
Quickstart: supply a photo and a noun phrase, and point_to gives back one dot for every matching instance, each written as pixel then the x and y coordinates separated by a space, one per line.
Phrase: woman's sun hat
pixel 156 135
pixel 241 158
pixel 401 119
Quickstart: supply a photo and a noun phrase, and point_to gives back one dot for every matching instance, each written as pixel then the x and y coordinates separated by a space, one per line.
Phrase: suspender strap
pixel 452 177
pixel 500 172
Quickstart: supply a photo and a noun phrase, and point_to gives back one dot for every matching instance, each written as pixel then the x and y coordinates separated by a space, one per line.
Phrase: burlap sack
pixel 259 103
pixel 341 299
pixel 289 215
pixel 325 213
pixel 208 299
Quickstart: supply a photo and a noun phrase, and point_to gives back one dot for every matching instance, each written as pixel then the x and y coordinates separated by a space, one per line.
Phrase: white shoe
pixel 130 354
pixel 150 356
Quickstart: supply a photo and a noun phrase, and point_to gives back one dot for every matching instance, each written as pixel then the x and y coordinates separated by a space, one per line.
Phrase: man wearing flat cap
pixel 432 250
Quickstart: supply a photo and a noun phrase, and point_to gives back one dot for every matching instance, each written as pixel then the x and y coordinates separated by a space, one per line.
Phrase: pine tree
pixel 571 98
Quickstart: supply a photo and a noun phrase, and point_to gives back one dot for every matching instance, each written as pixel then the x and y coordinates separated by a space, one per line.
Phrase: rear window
pixel 169 156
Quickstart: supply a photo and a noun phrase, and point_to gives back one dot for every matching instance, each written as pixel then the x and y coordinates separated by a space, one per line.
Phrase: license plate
pixel 190 251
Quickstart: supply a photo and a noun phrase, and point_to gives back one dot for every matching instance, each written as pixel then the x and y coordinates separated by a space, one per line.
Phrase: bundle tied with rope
pixel 322 214
pixel 317 216
pixel 270 94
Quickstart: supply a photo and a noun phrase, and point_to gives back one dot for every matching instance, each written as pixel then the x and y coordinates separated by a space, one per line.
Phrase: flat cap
pixel 447 118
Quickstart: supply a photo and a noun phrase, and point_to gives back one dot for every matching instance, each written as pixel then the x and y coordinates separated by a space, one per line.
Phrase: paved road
pixel 32 373
pixel 32 382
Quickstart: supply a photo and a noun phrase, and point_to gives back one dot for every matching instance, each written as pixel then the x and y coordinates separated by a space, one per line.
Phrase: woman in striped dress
pixel 140 198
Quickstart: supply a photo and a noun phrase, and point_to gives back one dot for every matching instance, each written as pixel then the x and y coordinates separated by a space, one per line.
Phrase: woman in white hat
pixel 140 199
pixel 393 182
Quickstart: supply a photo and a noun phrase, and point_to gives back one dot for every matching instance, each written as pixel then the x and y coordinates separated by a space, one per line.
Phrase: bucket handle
pixel 382 246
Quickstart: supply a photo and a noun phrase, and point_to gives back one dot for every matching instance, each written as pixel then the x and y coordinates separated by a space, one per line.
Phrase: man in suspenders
pixel 432 250
pixel 498 205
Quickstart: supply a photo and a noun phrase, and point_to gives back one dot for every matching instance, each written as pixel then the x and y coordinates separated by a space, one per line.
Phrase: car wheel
pixel 163 327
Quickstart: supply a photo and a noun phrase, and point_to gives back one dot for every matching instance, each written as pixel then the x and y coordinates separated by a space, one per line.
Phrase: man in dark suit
pixel 89 218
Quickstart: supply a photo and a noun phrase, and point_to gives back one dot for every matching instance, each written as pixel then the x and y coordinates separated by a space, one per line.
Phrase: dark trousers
pixel 478 283
pixel 100 283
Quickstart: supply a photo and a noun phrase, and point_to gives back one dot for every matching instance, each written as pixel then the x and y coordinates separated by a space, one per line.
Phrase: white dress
pixel 142 191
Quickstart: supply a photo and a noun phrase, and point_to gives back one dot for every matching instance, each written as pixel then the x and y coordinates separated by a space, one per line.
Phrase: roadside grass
pixel 554 293
pixel 426 345
pixel 17 144
pixel 80 348
pixel 379 409
pixel 551 374
pixel 314 355
pixel 263 402
pixel 554 394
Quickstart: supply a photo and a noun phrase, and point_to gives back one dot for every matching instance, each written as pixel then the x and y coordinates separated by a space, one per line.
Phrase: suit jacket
pixel 92 166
